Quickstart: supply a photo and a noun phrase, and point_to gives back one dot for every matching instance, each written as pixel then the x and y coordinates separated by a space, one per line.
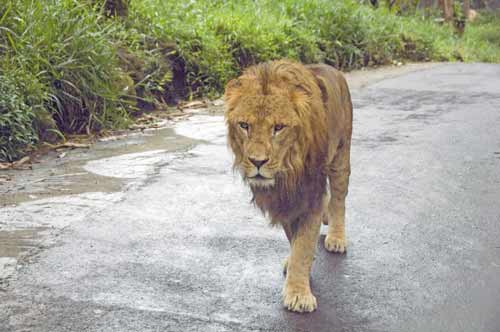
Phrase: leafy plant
pixel 67 67
pixel 66 45
pixel 17 115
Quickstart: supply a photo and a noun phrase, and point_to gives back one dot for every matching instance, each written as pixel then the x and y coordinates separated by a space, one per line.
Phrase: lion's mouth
pixel 259 177
pixel 260 181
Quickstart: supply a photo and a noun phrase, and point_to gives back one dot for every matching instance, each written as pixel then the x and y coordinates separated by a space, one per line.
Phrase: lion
pixel 289 128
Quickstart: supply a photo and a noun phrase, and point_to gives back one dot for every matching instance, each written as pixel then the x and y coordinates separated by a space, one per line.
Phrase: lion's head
pixel 276 123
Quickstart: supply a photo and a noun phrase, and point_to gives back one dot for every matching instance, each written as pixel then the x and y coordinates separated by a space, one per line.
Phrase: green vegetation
pixel 67 67
pixel 481 40
pixel 16 116
pixel 59 60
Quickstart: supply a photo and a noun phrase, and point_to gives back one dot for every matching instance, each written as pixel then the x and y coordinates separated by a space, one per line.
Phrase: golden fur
pixel 289 127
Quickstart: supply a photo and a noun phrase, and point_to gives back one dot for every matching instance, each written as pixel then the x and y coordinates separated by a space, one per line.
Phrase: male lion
pixel 289 127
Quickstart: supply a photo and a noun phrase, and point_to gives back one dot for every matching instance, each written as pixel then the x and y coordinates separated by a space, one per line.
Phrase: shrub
pixel 18 104
pixel 481 41
pixel 67 67
pixel 67 47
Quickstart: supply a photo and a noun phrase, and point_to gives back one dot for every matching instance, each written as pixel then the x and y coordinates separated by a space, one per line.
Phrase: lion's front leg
pixel 289 235
pixel 335 240
pixel 297 295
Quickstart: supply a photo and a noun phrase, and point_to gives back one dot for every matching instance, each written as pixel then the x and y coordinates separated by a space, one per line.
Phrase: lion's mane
pixel 306 159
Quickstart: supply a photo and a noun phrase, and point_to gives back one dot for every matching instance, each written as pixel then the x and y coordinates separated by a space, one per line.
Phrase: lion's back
pixel 336 98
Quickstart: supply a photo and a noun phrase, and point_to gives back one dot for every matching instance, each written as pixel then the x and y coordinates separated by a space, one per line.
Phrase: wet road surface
pixel 179 247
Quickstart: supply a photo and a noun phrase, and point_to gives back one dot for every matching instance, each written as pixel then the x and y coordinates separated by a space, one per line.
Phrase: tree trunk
pixel 466 8
pixel 447 8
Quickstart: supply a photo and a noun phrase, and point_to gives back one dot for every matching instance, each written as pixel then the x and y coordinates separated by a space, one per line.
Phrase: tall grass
pixel 65 49
pixel 218 38
pixel 17 114
pixel 481 41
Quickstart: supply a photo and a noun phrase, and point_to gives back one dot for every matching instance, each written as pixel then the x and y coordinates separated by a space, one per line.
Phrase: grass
pixel 16 115
pixel 481 40
pixel 65 51
pixel 67 68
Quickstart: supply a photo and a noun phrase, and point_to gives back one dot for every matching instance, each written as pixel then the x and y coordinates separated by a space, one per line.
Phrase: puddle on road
pixel 15 242
pixel 29 227
pixel 54 176
pixel 208 128
pixel 15 245
pixel 131 165
pixel 36 204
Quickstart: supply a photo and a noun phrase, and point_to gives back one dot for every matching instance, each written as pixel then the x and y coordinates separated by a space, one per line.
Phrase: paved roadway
pixel 180 248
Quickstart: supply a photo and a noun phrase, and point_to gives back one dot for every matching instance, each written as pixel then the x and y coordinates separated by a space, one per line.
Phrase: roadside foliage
pixel 83 66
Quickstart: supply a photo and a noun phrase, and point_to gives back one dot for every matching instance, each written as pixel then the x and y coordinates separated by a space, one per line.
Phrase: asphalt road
pixel 180 248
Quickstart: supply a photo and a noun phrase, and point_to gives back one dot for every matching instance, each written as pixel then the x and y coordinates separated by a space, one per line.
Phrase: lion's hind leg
pixel 338 176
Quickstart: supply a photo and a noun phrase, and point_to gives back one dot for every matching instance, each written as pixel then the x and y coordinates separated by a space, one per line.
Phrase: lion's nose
pixel 258 163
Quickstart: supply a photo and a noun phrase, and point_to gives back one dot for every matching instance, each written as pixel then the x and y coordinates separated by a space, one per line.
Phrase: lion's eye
pixel 278 127
pixel 243 125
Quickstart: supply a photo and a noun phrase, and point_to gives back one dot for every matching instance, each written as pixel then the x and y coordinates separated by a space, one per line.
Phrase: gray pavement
pixel 175 245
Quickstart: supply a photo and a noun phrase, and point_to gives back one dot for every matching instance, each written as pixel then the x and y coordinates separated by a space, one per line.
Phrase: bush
pixel 481 41
pixel 67 47
pixel 17 114
pixel 216 39
pixel 425 40
pixel 349 35
pixel 68 67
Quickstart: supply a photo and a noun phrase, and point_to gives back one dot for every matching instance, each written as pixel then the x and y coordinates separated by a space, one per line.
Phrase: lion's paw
pixel 299 301
pixel 335 244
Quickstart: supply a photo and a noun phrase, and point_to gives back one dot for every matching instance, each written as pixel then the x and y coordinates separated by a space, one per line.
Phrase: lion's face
pixel 271 111
pixel 263 133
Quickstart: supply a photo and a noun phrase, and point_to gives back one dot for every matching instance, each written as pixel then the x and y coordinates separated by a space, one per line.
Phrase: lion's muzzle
pixel 258 163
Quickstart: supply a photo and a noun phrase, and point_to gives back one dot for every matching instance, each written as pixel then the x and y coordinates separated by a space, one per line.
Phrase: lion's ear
pixel 232 93
pixel 300 98
pixel 234 83
pixel 322 87
pixel 303 94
